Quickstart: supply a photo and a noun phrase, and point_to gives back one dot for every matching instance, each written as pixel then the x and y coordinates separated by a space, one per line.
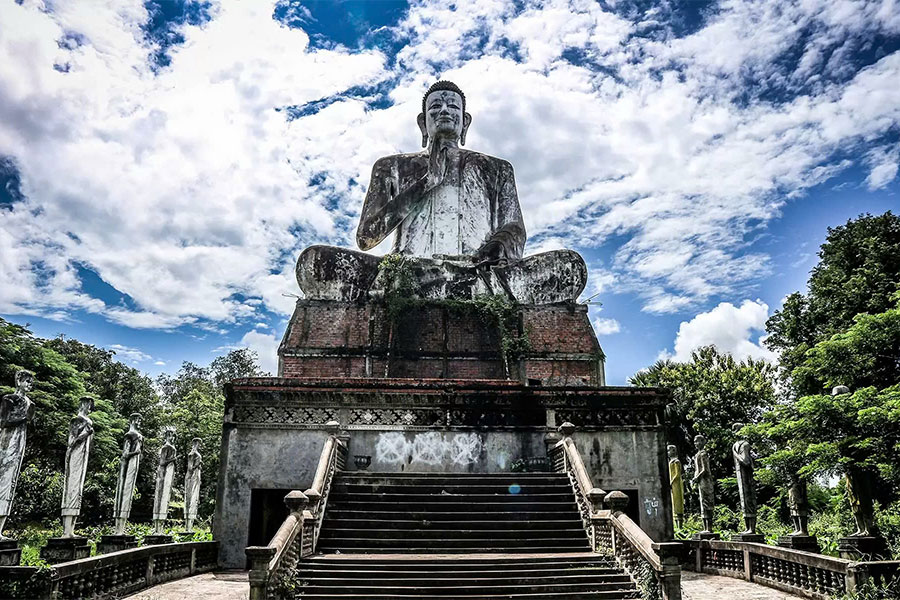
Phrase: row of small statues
pixel 798 501
pixel 17 410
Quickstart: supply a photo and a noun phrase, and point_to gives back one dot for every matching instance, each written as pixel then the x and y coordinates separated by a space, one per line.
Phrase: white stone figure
pixel 192 485
pixel 128 470
pixel 705 483
pixel 165 474
pixel 16 410
pixel 81 433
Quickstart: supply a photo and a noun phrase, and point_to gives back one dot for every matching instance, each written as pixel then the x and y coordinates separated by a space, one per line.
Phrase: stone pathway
pixel 225 585
pixel 696 586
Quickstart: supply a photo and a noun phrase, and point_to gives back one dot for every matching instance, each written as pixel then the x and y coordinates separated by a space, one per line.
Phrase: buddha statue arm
pixel 507 242
pixel 387 205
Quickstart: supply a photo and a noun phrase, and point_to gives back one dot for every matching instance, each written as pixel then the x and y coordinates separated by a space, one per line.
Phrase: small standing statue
pixel 798 502
pixel 81 432
pixel 676 483
pixel 128 470
pixel 165 474
pixel 703 478
pixel 16 410
pixel 743 469
pixel 860 495
pixel 192 485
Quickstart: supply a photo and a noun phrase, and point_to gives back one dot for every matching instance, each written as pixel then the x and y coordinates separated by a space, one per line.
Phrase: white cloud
pixel 266 346
pixel 604 326
pixel 728 327
pixel 128 354
pixel 187 190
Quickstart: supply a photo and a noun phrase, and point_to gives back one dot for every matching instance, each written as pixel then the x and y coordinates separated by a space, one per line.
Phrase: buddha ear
pixel 467 120
pixel 421 121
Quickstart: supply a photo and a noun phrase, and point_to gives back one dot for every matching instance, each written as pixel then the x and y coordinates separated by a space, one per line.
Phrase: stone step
pixel 444 496
pixel 504 488
pixel 332 532
pixel 443 549
pixel 424 579
pixel 431 563
pixel 415 595
pixel 462 588
pixel 355 475
pixel 337 513
pixel 457 505
pixel 430 523
pixel 485 571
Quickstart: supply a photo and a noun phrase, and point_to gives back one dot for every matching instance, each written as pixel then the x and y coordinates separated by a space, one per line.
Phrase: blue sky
pixel 163 163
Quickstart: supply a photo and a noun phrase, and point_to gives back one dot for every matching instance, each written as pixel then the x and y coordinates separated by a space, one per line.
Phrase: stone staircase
pixel 417 535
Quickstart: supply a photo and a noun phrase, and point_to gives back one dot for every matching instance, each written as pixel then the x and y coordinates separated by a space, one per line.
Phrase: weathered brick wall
pixel 336 339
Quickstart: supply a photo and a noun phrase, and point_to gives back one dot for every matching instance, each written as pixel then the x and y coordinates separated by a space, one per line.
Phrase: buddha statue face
pixel 444 116
pixel 24 381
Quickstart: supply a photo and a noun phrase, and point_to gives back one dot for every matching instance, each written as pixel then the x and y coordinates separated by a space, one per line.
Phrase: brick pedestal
pixel 155 540
pixel 59 550
pixel 114 543
pixel 806 543
pixel 439 341
pixel 10 553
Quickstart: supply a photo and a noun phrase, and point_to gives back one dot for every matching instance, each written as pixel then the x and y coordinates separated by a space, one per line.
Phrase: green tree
pixel 858 272
pixel 710 393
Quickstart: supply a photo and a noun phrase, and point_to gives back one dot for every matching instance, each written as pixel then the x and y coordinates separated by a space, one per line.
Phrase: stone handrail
pixel 655 567
pixel 565 458
pixel 298 534
pixel 803 573
pixel 110 575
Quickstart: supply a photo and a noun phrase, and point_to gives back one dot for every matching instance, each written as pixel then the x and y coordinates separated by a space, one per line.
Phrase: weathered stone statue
pixel 16 410
pixel 798 503
pixel 861 503
pixel 676 483
pixel 81 432
pixel 128 470
pixel 703 479
pixel 165 474
pixel 192 485
pixel 455 213
pixel 743 469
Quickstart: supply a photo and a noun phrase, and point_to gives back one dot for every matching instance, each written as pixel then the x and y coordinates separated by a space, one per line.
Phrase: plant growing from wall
pixel 494 310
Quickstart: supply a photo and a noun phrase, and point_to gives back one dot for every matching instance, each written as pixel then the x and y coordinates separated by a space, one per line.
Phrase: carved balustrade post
pixel 670 577
pixel 259 557
pixel 617 502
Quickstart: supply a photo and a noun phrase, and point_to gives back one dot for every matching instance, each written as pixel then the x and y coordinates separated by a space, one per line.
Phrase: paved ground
pixel 713 587
pixel 232 585
pixel 226 585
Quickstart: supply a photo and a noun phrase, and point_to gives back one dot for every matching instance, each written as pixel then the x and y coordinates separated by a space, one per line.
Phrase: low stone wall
pixel 110 575
pixel 814 576
pixel 275 428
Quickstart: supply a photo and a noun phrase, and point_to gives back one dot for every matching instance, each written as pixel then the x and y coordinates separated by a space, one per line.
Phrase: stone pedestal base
pixel 10 553
pixel 59 550
pixel 155 540
pixel 114 543
pixel 806 543
pixel 706 535
pixel 754 538
pixel 862 548
pixel 184 536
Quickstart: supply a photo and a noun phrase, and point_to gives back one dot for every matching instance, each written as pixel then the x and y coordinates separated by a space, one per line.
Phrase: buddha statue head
pixel 444 114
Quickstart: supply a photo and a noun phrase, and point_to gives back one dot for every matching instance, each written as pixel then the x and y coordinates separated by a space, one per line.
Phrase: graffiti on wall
pixel 430 448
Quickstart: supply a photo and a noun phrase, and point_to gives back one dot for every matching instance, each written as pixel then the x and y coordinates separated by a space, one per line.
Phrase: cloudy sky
pixel 162 163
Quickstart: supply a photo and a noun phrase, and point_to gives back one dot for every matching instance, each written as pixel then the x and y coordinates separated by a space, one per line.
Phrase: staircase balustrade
pixel 271 566
pixel 110 575
pixel 807 574
pixel 655 567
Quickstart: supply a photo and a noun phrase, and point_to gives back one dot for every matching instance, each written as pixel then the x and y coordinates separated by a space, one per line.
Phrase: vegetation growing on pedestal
pixel 494 310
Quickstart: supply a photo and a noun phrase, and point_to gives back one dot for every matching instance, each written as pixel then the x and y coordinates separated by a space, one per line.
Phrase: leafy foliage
pixel 858 272
pixel 709 394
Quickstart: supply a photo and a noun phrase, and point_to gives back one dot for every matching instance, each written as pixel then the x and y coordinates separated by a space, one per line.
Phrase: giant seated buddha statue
pixel 456 221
